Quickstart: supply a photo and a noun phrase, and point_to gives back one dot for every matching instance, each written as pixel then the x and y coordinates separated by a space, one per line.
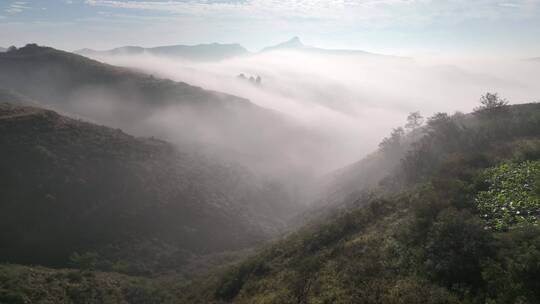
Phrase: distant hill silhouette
pixel 295 44
pixel 216 51
pixel 200 52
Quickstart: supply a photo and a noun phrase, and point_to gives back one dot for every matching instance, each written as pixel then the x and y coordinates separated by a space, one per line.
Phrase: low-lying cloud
pixel 350 101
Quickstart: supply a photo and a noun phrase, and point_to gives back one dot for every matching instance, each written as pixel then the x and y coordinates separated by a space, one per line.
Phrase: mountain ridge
pixel 145 105
pixel 127 199
pixel 295 43
pixel 199 52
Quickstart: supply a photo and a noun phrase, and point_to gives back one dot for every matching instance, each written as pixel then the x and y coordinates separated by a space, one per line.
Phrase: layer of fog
pixel 351 102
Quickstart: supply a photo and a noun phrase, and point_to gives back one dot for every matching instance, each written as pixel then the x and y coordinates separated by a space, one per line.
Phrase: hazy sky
pixel 404 27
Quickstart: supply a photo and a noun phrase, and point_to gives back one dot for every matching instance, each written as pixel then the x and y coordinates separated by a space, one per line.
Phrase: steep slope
pixel 368 173
pixel 64 80
pixel 75 191
pixel 426 236
pixel 229 126
pixel 200 52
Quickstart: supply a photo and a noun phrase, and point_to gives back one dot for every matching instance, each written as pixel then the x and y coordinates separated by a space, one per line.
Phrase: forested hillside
pixel 455 222
pixel 87 196
pixel 23 284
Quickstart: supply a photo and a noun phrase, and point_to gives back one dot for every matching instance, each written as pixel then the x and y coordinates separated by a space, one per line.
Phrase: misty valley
pixel 210 173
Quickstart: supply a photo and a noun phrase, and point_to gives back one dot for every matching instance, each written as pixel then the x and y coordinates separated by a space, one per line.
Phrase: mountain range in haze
pixel 216 51
pixel 421 219
pixel 230 126
pixel 342 91
pixel 201 52
pixel 296 44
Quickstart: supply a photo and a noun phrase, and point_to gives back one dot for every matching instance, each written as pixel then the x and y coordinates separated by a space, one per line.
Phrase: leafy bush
pixel 455 247
pixel 515 276
pixel 511 197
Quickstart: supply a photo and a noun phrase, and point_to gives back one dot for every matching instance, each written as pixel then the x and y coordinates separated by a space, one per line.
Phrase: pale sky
pixel 400 27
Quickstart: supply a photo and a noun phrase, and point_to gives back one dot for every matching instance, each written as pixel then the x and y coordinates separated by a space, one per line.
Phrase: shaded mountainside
pixel 62 79
pixel 455 222
pixel 143 105
pixel 200 52
pixel 16 98
pixel 135 205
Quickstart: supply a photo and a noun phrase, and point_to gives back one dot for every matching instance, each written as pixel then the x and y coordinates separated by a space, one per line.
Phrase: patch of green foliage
pixel 21 284
pixel 511 197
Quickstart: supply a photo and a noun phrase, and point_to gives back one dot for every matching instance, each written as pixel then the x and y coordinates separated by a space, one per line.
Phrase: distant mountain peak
pixel 293 43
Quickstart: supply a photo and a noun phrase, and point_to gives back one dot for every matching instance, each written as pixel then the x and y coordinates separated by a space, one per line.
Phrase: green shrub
pixel 455 247
pixel 511 197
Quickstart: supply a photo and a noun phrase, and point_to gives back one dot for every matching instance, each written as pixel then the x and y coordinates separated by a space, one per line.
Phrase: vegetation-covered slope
pixel 28 285
pixel 422 237
pixel 74 193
